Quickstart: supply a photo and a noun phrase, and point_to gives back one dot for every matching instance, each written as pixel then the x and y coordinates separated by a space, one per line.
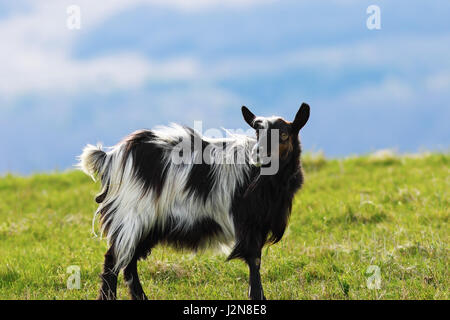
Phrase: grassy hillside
pixel 389 212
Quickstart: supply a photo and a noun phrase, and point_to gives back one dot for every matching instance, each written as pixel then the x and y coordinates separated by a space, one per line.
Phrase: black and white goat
pixel 147 199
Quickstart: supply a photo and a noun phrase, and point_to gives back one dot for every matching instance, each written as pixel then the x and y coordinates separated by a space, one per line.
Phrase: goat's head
pixel 275 136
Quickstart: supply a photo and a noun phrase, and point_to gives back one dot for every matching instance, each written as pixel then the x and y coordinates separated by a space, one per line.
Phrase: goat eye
pixel 284 136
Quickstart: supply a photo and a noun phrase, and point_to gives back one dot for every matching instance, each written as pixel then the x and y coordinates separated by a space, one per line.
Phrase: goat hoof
pixel 257 296
pixel 103 296
pixel 139 297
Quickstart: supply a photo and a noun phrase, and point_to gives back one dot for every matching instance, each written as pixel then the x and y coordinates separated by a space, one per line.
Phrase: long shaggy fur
pixel 172 186
pixel 144 192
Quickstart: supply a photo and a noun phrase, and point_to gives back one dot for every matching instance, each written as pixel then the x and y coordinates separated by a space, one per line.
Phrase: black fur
pixel 260 208
pixel 181 237
pixel 262 215
pixel 201 180
pixel 148 158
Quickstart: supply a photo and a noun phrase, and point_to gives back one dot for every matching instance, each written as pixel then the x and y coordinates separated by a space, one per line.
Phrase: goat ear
pixel 248 116
pixel 301 117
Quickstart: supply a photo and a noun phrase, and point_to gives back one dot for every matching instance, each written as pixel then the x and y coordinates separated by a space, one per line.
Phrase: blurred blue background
pixel 140 63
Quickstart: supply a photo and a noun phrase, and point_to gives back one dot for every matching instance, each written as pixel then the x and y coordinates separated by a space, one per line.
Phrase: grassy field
pixel 384 211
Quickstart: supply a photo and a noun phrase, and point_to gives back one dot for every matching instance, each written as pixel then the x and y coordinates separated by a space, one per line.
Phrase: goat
pixel 147 199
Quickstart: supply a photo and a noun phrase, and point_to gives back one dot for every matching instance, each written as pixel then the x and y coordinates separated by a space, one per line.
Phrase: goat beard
pixel 253 185
pixel 257 181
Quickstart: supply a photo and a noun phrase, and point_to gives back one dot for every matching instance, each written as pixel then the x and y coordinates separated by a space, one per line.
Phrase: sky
pixel 136 64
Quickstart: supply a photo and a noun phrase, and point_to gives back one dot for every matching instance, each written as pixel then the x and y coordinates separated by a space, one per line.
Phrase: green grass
pixel 387 211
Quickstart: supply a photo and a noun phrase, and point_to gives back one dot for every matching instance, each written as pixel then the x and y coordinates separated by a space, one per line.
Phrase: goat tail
pixel 92 161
